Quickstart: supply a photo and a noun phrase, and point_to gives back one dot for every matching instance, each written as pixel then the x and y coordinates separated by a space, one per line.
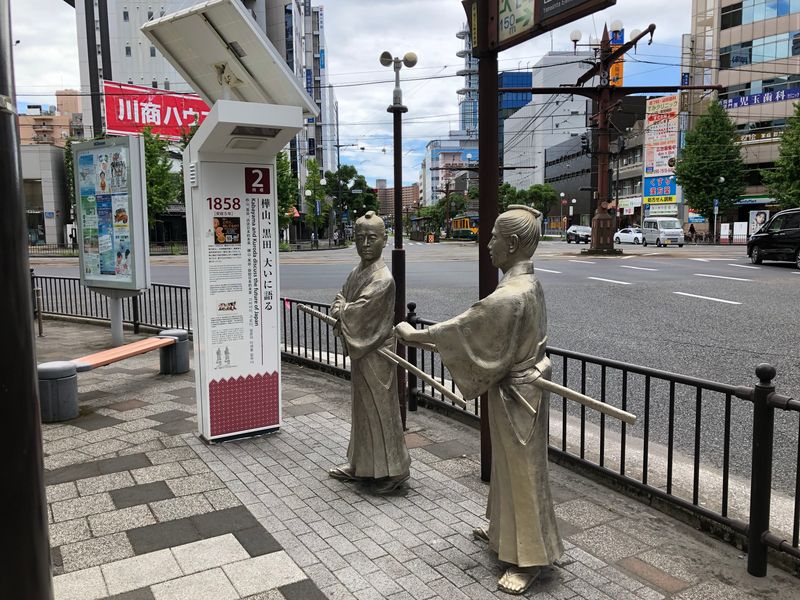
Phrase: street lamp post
pixel 561 215
pixel 398 253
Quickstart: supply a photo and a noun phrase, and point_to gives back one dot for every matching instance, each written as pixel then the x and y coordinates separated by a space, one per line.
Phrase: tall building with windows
pixel 752 49
pixel 112 47
pixel 546 120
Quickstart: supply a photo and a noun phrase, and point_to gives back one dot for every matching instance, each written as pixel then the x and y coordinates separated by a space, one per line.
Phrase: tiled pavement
pixel 140 508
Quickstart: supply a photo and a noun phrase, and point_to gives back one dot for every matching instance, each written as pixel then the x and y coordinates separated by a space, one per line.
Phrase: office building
pixel 752 49
pixel 546 120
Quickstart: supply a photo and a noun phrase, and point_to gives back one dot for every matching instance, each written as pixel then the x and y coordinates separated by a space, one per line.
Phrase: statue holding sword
pixel 363 312
pixel 498 345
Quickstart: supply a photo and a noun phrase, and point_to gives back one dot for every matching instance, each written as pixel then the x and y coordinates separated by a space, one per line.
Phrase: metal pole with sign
pixel 232 220
pixel 716 212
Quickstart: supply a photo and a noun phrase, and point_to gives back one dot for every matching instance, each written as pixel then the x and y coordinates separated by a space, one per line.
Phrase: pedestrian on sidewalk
pixel 498 346
pixel 364 310
pixel 314 242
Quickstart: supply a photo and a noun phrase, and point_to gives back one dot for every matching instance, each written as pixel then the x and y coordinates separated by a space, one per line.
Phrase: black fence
pixel 55 250
pixel 701 449
pixel 162 306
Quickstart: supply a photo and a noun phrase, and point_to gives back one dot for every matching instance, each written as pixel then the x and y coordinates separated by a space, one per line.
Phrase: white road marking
pixel 721 277
pixel 584 262
pixel 610 280
pixel 637 268
pixel 535 269
pixel 699 259
pixel 706 298
pixel 629 256
pixel 742 266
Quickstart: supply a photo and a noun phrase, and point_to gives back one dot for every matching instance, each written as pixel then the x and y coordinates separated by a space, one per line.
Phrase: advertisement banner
pixel 661 210
pixel 695 217
pixel 659 186
pixel 131 108
pixel 616 74
pixel 757 220
pixel 661 135
pixel 112 213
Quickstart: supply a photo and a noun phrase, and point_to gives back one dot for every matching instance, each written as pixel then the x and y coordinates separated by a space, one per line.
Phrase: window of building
pixel 759 10
pixel 731 16
pixel 153 51
pixel 166 84
pixel 99 49
pixel 125 16
pixel 149 15
pixel 154 84
pixel 127 50
pixel 130 80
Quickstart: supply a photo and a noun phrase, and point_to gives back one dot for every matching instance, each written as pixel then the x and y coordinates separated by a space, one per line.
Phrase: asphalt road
pixel 699 311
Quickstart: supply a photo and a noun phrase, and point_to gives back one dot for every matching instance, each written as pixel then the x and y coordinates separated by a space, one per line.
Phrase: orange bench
pixel 106 357
pixel 173 344
pixel 58 381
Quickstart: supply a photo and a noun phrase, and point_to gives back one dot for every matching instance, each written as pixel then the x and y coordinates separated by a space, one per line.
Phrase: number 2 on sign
pixel 223 203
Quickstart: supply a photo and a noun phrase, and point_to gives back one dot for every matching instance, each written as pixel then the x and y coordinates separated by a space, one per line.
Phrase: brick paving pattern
pixel 140 507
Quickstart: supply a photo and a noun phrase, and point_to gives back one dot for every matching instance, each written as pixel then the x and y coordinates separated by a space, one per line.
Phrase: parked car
pixel 629 235
pixel 662 231
pixel 779 239
pixel 578 234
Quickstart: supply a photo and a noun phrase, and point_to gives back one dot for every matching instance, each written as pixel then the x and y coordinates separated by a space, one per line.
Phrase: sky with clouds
pixel 357 32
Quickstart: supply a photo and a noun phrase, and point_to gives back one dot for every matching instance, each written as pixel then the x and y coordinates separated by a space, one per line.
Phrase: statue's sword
pixel 541 382
pixel 392 357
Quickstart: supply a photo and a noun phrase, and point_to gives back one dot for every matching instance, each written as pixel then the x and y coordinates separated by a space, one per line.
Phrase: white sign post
pixel 232 209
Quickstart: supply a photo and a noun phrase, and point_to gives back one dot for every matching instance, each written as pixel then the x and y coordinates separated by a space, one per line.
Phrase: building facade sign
pixel 764 98
pixel 132 108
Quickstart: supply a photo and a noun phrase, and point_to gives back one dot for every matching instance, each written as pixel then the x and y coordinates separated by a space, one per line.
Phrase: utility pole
pixel 25 573
pixel 608 98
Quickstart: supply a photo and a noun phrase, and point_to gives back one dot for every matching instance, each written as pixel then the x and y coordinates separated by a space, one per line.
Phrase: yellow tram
pixel 465 226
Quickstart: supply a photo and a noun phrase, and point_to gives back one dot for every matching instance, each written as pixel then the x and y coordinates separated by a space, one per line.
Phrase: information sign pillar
pixel 232 221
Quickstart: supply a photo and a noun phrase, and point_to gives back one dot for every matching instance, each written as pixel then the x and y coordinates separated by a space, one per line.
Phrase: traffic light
pixel 585 143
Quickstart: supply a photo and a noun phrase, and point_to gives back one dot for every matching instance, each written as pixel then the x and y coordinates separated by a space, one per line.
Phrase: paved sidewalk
pixel 140 508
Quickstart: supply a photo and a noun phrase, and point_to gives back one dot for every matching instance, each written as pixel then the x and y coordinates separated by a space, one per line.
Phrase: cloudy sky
pixel 357 31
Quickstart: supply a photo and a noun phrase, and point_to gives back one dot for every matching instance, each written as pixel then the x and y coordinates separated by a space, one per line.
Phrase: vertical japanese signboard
pixel 661 141
pixel 111 202
pixel 234 230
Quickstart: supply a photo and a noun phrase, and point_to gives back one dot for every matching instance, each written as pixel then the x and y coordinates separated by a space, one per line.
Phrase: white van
pixel 662 231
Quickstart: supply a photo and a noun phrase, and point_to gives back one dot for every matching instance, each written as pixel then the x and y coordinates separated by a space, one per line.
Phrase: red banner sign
pixel 131 108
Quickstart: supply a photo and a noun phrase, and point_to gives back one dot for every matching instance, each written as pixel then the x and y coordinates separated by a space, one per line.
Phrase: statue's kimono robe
pixel 498 345
pixel 377 445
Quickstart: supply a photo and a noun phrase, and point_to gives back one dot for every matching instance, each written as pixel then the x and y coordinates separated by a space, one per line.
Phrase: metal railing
pixel 701 448
pixel 56 250
pixel 162 306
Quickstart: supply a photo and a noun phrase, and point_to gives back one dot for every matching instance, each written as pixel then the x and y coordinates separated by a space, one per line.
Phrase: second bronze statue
pixel 364 312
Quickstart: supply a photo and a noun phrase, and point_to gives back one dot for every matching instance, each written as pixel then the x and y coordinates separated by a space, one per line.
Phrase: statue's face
pixel 370 240
pixel 499 250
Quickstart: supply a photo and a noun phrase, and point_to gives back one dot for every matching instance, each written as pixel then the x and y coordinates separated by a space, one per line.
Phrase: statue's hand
pixel 404 331
pixel 336 307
